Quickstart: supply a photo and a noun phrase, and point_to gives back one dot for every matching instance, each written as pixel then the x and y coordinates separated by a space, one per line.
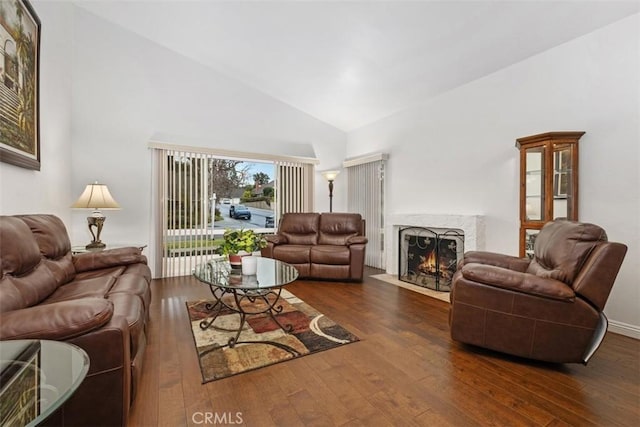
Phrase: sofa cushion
pixel 293 254
pixel 53 241
pixel 27 290
pixel 50 233
pixel 337 228
pixel 300 228
pixel 139 269
pixel 19 249
pixel 329 254
pixel 58 321
pixel 97 287
pixel 562 248
pixel 101 272
pixel 131 284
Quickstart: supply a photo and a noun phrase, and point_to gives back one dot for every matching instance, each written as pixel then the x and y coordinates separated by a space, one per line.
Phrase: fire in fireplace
pixel 429 256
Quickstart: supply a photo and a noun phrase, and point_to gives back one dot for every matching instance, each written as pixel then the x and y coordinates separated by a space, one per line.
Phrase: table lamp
pixel 96 196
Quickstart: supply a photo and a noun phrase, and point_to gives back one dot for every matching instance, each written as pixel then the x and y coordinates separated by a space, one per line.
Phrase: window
pixel 200 194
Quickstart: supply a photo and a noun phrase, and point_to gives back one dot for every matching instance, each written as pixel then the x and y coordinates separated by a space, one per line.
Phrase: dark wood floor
pixel 405 371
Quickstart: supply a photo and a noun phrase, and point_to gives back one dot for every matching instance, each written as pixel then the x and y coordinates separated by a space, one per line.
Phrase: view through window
pixel 244 194
pixel 200 195
pixel 213 194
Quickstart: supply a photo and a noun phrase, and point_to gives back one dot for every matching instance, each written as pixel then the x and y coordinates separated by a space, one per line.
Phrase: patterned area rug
pixel 262 342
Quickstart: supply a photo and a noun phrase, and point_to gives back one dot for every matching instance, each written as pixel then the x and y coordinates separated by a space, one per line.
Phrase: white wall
pixel 47 191
pixel 456 153
pixel 126 89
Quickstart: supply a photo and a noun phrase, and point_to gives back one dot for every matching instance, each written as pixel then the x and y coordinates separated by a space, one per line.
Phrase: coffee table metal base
pixel 245 303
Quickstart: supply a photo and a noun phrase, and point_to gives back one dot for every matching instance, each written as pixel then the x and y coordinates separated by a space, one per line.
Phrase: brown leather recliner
pixel 98 301
pixel 547 308
pixel 321 246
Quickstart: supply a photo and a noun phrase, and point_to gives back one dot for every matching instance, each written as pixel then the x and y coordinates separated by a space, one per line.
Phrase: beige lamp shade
pixel 330 175
pixel 96 196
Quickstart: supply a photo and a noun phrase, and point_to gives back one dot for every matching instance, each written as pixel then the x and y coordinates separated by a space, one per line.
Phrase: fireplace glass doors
pixel 428 257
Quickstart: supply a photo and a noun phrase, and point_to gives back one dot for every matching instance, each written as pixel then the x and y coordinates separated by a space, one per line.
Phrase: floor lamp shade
pixel 96 196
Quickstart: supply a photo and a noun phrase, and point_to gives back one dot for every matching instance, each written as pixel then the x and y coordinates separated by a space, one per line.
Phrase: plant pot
pixel 235 260
pixel 249 265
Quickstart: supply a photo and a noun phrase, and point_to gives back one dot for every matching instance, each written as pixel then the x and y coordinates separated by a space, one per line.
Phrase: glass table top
pixel 271 273
pixel 36 378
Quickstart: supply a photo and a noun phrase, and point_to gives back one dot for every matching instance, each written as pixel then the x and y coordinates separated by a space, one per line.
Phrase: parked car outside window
pixel 241 212
pixel 225 201
pixel 269 222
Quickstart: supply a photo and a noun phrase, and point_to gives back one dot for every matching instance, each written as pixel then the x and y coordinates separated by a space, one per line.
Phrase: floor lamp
pixel 330 176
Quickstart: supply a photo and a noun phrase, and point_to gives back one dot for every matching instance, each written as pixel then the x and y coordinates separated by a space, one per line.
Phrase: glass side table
pixel 81 249
pixel 36 378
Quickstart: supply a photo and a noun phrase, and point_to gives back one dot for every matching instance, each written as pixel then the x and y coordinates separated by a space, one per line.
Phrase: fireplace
pixel 429 257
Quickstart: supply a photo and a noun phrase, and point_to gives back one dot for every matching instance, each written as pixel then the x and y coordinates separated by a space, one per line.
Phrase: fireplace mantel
pixel 471 225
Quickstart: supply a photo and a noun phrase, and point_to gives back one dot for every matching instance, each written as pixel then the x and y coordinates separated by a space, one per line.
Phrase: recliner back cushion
pixel 25 279
pixel 562 247
pixel 300 228
pixel 53 241
pixel 336 228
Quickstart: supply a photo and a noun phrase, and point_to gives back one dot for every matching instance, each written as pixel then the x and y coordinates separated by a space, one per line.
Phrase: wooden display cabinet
pixel 548 182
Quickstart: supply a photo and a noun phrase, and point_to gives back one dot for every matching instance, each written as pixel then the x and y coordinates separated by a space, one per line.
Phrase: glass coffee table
pixel 246 295
pixel 36 378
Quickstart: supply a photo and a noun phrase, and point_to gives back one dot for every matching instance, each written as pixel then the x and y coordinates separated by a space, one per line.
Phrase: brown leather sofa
pixel 321 246
pixel 547 308
pixel 98 301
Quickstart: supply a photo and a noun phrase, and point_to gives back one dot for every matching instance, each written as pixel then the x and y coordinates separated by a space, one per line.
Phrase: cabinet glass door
pixel 534 188
pixel 562 181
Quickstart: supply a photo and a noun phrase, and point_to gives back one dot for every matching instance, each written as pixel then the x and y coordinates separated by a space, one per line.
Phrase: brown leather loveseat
pixel 321 246
pixel 98 301
pixel 547 308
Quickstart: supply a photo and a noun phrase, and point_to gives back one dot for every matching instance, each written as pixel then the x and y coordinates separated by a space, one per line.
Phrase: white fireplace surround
pixel 471 225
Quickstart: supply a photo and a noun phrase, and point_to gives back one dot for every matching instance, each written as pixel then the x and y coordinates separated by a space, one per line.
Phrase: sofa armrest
pixel 498 260
pixel 519 282
pixel 108 258
pixel 276 239
pixel 57 321
pixel 357 240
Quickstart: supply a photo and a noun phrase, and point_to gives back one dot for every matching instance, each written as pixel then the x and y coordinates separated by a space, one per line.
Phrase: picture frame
pixel 20 387
pixel 19 84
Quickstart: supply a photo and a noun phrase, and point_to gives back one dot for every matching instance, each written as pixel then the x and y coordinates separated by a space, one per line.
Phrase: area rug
pixel 262 342
pixel 442 296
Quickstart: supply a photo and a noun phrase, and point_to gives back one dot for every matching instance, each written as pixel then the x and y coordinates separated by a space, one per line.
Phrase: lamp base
pixel 96 245
pixel 97 221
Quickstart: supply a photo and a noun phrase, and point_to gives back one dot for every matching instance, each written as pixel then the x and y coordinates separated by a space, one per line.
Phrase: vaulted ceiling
pixel 352 63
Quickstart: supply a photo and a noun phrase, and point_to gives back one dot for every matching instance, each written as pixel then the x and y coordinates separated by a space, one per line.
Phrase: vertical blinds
pixel 184 211
pixel 365 188
pixel 294 187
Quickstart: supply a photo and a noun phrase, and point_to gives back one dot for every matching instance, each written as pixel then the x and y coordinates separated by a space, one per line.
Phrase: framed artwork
pixel 19 84
pixel 20 387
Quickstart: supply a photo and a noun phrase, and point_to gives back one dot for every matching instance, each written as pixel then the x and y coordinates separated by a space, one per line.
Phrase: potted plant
pixel 237 243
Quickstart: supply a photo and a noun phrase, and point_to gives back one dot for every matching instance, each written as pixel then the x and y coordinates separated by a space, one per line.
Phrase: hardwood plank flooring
pixel 405 371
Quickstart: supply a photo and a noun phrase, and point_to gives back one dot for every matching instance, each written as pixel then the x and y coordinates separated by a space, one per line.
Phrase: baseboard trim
pixel 624 329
